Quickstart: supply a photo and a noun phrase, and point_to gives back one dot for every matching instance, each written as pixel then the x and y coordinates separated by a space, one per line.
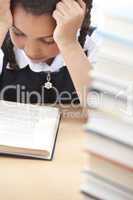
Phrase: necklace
pixel 48 85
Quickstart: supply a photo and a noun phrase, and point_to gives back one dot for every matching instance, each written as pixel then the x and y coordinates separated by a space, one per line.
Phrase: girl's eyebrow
pixel 44 37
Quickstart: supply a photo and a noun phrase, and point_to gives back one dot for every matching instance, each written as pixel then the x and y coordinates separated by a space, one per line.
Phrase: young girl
pixel 45 54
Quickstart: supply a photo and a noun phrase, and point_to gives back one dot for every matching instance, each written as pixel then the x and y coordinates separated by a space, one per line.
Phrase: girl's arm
pixel 5 19
pixel 69 15
pixel 79 67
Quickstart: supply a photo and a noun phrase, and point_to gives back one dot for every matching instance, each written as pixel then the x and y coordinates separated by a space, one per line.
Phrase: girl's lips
pixel 38 61
pixel 43 60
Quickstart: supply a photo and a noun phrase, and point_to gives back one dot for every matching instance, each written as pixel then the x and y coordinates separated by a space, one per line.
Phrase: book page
pixel 26 125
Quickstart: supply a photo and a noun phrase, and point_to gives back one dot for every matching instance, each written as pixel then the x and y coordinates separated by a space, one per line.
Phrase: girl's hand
pixel 69 15
pixel 5 14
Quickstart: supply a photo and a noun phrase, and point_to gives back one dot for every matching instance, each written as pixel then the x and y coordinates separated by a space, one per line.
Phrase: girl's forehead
pixel 33 25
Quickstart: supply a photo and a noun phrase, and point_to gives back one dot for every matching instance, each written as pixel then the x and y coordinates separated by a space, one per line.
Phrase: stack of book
pixel 109 171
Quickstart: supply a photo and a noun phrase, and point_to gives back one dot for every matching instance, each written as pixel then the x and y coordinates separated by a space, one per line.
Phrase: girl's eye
pixel 19 34
pixel 48 41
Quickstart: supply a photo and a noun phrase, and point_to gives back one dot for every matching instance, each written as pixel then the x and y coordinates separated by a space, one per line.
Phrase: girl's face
pixel 34 34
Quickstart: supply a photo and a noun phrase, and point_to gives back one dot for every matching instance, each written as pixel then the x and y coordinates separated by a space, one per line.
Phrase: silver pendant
pixel 48 85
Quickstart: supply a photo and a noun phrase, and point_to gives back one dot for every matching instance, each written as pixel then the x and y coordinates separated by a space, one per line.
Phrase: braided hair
pixel 38 8
pixel 86 29
pixel 9 52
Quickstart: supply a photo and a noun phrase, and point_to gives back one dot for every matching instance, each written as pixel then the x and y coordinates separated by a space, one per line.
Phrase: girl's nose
pixel 32 50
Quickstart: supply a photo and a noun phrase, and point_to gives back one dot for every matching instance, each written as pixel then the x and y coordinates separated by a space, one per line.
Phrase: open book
pixel 28 130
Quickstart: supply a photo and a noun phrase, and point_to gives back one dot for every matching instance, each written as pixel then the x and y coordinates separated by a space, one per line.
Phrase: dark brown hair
pixel 38 7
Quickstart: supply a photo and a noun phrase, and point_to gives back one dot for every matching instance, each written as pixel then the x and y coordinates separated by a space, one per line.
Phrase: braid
pixel 85 29
pixel 10 53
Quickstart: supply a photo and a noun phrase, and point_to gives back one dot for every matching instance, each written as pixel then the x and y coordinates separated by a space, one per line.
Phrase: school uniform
pixel 27 84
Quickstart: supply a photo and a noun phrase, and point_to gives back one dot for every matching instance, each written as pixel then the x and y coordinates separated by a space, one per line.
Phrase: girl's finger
pixel 58 16
pixel 61 8
pixel 81 3
pixel 68 3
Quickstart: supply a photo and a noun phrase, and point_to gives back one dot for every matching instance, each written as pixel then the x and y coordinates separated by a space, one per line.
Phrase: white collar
pixel 23 61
